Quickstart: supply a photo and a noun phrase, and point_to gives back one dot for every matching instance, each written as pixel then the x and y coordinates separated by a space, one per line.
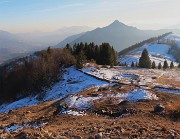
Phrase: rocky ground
pixel 106 118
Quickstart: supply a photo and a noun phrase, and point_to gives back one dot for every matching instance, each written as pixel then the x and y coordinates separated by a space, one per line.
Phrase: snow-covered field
pixel 157 52
pixel 73 81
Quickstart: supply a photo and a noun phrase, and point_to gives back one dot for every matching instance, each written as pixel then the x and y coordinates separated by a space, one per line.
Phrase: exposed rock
pixel 170 137
pixel 98 136
pixel 22 135
pixel 159 108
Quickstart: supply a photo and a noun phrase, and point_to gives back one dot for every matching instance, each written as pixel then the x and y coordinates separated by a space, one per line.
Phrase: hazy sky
pixel 48 15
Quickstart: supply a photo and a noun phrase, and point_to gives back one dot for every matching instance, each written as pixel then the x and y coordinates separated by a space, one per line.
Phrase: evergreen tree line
pixel 103 54
pixel 154 66
pixel 31 75
pixel 145 62
pixel 138 45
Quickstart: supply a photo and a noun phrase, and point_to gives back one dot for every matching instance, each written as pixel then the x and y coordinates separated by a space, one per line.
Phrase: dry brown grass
pixel 174 111
pixel 173 107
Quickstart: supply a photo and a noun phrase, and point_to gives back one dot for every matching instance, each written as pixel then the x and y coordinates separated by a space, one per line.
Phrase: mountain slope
pixel 117 34
pixel 159 51
pixel 68 39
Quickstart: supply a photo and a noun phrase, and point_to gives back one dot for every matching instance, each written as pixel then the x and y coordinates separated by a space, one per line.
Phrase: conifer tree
pixel 144 61
pixel 172 65
pixel 179 65
pixel 159 66
pixel 165 66
pixel 153 65
pixel 132 64
pixel 81 59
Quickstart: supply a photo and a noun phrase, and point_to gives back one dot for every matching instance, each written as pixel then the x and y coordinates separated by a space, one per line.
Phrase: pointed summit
pixel 116 23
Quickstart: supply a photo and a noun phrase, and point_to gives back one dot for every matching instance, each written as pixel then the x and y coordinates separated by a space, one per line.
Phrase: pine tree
pixel 81 59
pixel 172 65
pixel 144 61
pixel 179 65
pixel 153 65
pixel 159 66
pixel 132 65
pixel 165 66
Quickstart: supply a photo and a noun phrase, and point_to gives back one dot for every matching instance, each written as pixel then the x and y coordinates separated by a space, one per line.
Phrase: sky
pixel 49 15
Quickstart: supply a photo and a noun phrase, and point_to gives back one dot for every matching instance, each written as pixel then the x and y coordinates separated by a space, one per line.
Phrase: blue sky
pixel 49 15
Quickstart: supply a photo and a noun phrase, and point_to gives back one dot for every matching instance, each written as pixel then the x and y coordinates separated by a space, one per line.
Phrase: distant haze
pixel 49 15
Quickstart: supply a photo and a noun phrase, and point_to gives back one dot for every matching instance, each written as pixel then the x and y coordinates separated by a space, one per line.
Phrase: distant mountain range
pixel 15 45
pixel 119 35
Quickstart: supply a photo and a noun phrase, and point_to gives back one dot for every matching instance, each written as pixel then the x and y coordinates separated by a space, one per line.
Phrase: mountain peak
pixel 117 23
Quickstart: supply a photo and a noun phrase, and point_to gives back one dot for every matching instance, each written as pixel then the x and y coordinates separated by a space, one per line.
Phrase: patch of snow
pixel 140 94
pixel 76 113
pixel 13 128
pixel 74 81
pixel 173 91
pixel 81 103
pixel 85 103
pixel 28 101
pixel 109 74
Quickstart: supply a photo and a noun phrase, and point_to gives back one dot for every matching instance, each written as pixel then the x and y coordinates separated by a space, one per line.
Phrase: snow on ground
pixel 81 103
pixel 158 52
pixel 85 103
pixel 28 101
pixel 135 95
pixel 18 127
pixel 109 74
pixel 77 113
pixel 173 37
pixel 73 81
pixel 173 91
pixel 12 128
